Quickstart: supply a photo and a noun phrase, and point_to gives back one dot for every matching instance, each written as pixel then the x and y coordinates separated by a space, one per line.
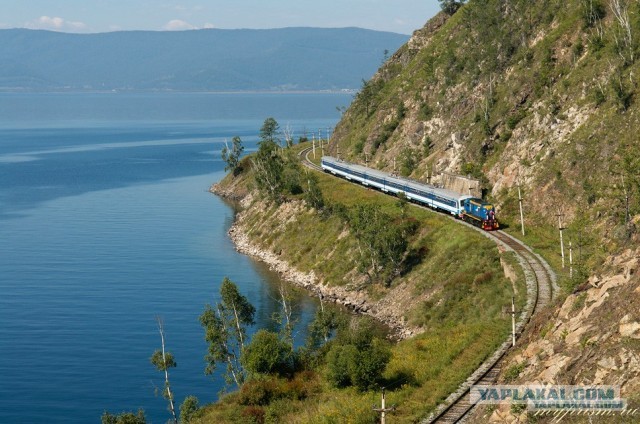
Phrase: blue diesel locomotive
pixel 470 209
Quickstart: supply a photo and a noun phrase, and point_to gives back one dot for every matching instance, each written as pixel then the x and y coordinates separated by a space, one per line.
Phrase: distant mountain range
pixel 211 60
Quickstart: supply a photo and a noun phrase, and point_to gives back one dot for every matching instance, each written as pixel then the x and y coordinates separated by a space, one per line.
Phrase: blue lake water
pixel 106 223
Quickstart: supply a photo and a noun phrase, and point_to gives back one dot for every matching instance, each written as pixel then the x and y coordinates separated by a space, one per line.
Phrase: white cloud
pixel 56 24
pixel 178 25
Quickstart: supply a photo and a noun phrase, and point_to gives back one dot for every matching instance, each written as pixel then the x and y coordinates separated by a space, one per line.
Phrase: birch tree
pixel 225 331
pixel 164 360
pixel 623 35
pixel 231 155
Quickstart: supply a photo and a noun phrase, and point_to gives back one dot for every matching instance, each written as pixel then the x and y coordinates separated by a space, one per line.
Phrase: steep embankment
pixel 541 95
pixel 593 338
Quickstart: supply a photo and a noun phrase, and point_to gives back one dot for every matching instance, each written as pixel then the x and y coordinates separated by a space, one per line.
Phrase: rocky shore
pixel 386 310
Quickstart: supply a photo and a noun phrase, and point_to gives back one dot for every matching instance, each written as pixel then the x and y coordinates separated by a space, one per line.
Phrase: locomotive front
pixel 480 214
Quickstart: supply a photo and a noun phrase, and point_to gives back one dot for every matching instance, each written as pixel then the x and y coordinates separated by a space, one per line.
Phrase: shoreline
pixel 356 301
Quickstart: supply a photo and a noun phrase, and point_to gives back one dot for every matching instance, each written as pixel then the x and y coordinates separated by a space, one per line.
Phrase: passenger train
pixel 468 208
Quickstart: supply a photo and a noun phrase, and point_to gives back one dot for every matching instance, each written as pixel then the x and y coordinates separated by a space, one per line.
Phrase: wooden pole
pixel 559 215
pixel 513 320
pixel 570 260
pixel 521 212
pixel 383 410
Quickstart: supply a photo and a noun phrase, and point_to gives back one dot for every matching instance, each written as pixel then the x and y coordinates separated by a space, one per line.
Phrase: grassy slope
pixel 459 268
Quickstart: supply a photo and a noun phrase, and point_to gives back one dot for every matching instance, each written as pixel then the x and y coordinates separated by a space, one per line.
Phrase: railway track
pixel 541 289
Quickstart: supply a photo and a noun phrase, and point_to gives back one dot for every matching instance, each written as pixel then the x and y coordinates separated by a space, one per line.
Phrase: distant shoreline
pixel 115 91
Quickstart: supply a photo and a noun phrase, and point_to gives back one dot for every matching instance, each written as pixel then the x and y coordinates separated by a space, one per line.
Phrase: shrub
pixel 253 414
pixel 513 372
pixel 267 354
pixel 357 357
pixel 259 392
pixel 189 409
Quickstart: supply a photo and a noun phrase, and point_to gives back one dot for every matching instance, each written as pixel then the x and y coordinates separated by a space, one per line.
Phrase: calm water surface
pixel 106 223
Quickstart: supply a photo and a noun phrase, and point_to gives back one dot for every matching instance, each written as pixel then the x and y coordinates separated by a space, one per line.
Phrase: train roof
pixel 409 182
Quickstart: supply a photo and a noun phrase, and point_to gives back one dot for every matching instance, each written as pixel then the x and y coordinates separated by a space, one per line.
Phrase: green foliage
pixel 163 364
pixel 390 127
pixel 426 146
pixel 425 112
pixel 225 331
pixel 358 148
pixel 321 328
pixel 623 93
pixel 269 166
pixel 514 119
pixel 313 195
pixel 450 6
pixel 124 418
pixel 408 161
pixel 598 96
pixel 593 11
pixel 513 372
pixel 383 240
pixel 267 354
pixel 268 390
pixel 189 410
pixel 367 96
pixel 232 155
pixel 472 169
pixel 357 357
pixel 269 131
pixel 277 170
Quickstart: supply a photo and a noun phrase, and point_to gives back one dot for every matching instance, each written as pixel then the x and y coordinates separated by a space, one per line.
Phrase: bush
pixel 253 414
pixel 259 392
pixel 357 357
pixel 339 360
pixel 267 354
pixel 189 409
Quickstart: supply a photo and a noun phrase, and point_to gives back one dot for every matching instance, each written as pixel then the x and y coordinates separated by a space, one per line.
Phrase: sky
pixel 89 16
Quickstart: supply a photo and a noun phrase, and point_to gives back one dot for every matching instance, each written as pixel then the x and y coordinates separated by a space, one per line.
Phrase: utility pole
pixel 314 147
pixel 570 260
pixel 521 212
pixel 338 151
pixel 366 160
pixel 560 228
pixel 383 410
pixel 394 165
pixel 513 321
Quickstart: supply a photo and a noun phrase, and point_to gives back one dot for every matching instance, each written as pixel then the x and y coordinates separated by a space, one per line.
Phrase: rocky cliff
pixel 541 96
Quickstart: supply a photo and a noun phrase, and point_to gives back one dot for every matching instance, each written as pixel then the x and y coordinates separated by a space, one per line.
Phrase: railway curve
pixel 542 288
